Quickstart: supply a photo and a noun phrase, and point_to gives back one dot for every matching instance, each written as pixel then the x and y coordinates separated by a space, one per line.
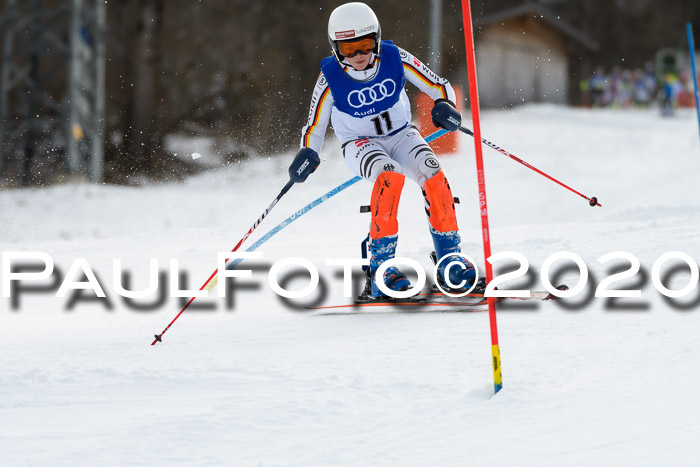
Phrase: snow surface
pixel 265 383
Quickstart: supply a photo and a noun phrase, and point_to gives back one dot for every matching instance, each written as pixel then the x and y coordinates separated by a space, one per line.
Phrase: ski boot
pixel 461 274
pixel 383 249
pixel 479 288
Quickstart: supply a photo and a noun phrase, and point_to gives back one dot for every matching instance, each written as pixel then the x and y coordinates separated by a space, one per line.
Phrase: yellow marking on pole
pixel 497 380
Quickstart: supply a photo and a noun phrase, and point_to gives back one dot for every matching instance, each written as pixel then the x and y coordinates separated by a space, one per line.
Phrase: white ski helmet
pixel 353 21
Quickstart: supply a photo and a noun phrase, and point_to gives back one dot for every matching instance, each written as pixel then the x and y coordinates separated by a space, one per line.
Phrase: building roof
pixel 536 10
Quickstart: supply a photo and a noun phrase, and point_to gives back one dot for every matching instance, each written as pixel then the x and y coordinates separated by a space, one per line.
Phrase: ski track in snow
pixel 265 384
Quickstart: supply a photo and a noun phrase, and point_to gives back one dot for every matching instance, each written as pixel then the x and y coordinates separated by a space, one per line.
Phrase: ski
pixel 426 301
pixel 534 294
pixel 403 306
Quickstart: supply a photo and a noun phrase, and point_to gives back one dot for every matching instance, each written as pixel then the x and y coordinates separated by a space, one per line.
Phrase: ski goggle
pixel 350 49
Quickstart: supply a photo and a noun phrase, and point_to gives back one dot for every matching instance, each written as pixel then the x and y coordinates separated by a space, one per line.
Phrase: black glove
pixel 445 115
pixel 303 165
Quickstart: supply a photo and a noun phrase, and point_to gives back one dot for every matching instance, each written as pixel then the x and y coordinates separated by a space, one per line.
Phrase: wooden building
pixel 523 56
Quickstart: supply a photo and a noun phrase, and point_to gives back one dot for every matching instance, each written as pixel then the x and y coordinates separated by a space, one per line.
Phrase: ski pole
pixel 213 279
pixel 592 201
pixel 206 285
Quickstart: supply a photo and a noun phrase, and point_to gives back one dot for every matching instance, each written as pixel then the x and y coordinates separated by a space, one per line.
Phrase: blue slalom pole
pixel 294 217
pixel 691 46
pixel 311 205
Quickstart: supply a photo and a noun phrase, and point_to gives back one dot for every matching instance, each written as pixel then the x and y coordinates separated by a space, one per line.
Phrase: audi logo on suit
pixel 368 96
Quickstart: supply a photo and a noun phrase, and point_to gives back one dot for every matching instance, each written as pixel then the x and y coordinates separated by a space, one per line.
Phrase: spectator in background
pixel 597 86
pixel 670 88
pixel 623 89
pixel 651 82
pixel 641 92
pixel 686 96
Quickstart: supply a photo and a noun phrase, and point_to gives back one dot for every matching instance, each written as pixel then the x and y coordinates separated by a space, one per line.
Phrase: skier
pixel 361 90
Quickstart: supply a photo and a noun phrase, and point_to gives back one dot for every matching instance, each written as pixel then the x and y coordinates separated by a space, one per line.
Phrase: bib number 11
pixel 378 123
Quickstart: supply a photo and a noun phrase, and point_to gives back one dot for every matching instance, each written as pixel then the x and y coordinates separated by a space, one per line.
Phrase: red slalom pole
pixel 592 201
pixel 210 283
pixel 474 101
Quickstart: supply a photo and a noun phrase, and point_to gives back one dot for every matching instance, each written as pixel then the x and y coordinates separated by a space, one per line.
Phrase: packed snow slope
pixel 586 381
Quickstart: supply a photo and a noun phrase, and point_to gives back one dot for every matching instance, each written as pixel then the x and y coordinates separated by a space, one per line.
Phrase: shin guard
pixel 385 204
pixel 440 204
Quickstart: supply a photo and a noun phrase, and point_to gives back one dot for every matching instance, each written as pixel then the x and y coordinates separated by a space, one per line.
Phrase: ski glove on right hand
pixel 445 115
pixel 304 164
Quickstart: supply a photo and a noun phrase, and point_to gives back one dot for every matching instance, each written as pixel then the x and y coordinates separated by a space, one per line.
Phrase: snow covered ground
pixel 588 381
